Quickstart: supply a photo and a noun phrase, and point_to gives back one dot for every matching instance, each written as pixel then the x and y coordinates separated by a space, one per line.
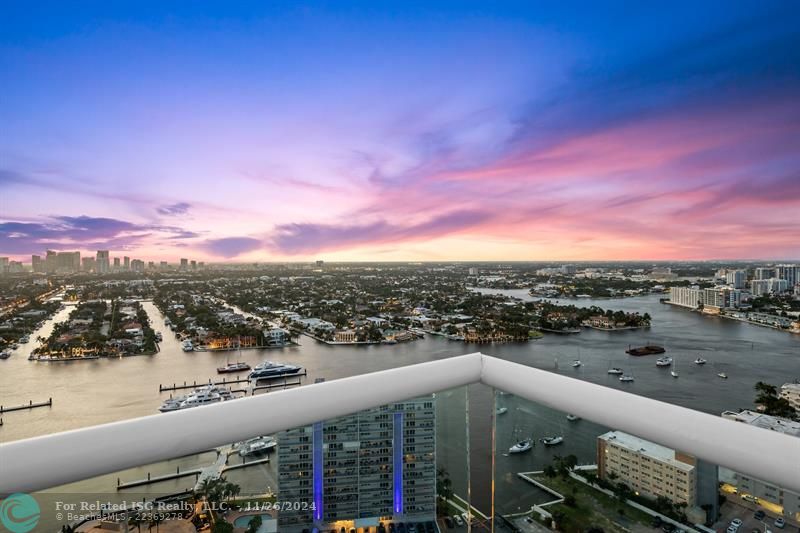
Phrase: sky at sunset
pixel 272 131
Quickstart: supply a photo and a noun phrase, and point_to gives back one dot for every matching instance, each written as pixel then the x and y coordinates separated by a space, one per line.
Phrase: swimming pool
pixel 244 521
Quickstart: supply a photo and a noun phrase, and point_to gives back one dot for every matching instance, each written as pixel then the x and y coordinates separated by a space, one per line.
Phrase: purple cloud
pixel 231 246
pixel 180 208
pixel 82 232
pixel 307 238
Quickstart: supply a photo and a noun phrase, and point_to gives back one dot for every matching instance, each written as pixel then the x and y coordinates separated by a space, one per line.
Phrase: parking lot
pixel 746 513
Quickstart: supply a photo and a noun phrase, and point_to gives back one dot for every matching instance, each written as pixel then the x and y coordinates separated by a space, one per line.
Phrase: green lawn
pixel 592 509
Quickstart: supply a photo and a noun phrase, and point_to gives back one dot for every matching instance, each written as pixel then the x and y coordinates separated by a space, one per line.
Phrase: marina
pixel 737 349
pixel 28 406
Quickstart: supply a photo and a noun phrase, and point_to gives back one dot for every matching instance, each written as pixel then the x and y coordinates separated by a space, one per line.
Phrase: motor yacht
pixel 615 371
pixel 664 361
pixel 268 369
pixel 552 441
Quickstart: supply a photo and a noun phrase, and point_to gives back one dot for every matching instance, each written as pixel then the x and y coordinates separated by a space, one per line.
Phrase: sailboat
pixel 673 371
pixel 233 367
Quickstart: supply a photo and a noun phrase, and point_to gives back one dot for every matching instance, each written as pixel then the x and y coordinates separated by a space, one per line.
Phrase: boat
pixel 200 396
pixel 625 378
pixel 257 445
pixel 233 367
pixel 576 363
pixel 573 418
pixel 522 446
pixel 615 371
pixel 268 369
pixel 502 410
pixel 5 354
pixel 700 361
pixel 664 361
pixel 673 372
pixel 649 349
pixel 552 441
pixel 723 375
pixel 187 346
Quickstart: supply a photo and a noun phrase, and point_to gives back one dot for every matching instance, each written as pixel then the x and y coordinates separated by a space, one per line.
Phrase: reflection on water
pixel 93 392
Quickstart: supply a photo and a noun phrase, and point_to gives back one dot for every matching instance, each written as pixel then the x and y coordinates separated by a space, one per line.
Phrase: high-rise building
pixel 137 265
pixel 88 264
pixel 764 273
pixel 103 265
pixel 646 467
pixel 37 265
pixel 163 265
pixel 126 263
pixel 193 264
pixel 790 273
pixel 184 263
pixel 686 296
pixel 68 262
pixel 151 265
pixel 50 261
pixel 358 470
pixel 721 298
pixel 116 264
pixel 4 265
pixel 736 278
pixel 760 287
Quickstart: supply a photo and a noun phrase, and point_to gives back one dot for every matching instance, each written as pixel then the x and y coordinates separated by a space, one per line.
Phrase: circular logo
pixel 19 513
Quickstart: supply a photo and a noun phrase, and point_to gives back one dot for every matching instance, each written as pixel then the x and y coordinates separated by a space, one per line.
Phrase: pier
pixel 155 479
pixel 195 384
pixel 285 384
pixel 30 405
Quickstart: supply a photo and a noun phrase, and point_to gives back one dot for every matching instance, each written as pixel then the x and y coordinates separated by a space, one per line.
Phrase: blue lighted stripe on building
pixel 317 460
pixel 398 463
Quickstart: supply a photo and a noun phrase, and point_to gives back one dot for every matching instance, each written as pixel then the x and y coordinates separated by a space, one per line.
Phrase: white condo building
pixel 686 296
pixel 791 393
pixel 770 496
pixel 648 468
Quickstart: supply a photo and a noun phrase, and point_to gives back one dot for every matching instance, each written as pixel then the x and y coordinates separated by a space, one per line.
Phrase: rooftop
pixel 645 447
pixel 773 423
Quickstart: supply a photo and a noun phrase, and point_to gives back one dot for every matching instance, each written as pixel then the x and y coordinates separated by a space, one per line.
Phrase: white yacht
pixel 576 363
pixel 268 369
pixel 501 410
pixel 664 361
pixel 200 396
pixel 552 441
pixel 187 346
pixel 626 378
pixel 723 375
pixel 615 371
pixel 521 446
pixel 674 371
pixel 573 418
pixel 700 361
pixel 257 445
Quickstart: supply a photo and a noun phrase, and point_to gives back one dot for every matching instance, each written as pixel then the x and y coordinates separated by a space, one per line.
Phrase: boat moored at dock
pixel 269 369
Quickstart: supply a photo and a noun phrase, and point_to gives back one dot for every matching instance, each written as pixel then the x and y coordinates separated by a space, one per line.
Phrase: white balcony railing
pixel 43 462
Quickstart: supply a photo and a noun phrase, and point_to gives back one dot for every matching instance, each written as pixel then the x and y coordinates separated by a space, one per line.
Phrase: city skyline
pixel 428 133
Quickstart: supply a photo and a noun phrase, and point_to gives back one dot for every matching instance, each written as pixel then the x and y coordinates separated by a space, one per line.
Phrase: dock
pixel 283 385
pixel 195 384
pixel 155 479
pixel 30 405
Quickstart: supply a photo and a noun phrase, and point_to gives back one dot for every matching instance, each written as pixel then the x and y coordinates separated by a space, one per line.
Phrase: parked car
pixel 759 515
pixel 780 522
pixel 458 520
pixel 736 522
